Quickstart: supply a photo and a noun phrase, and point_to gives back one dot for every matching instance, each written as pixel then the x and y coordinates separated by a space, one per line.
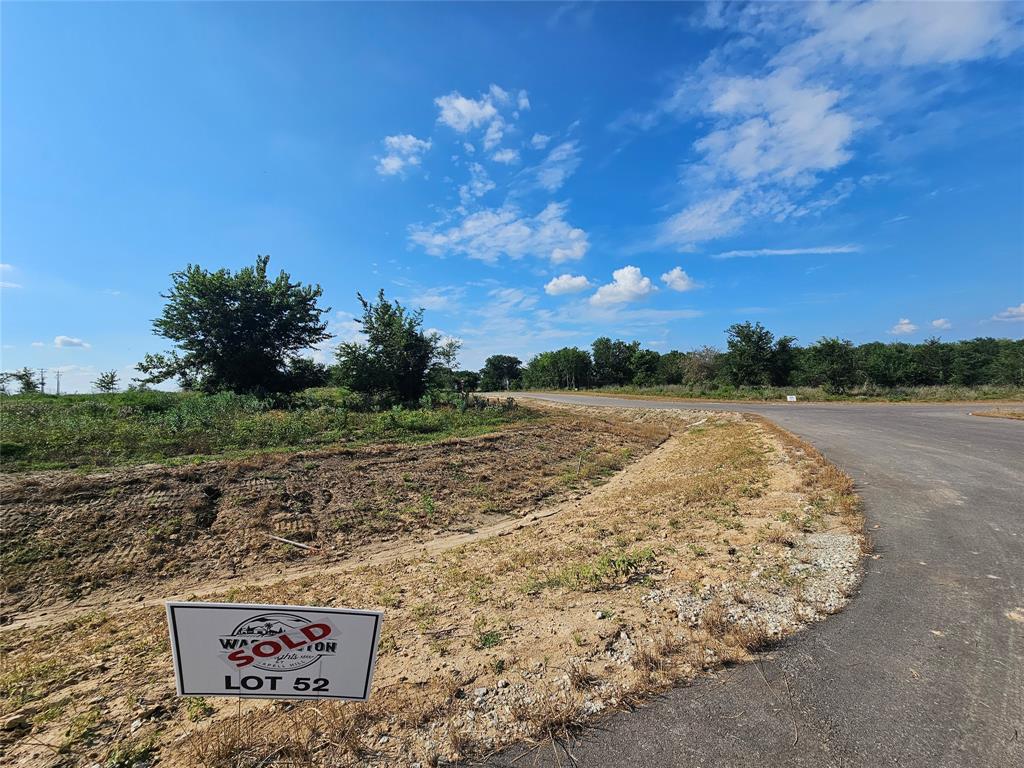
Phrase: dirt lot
pixel 726 536
pixel 109 535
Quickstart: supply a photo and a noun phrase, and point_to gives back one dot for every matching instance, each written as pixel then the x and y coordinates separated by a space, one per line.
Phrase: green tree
pixel 501 372
pixel 832 363
pixel 612 361
pixel 566 368
pixel 702 365
pixel 749 359
pixel 236 331
pixel 393 365
pixel 106 382
pixel 27 381
pixel 644 365
pixel 671 366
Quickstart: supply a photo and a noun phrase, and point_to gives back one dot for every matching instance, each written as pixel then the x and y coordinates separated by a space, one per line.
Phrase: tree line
pixel 248 332
pixel 755 357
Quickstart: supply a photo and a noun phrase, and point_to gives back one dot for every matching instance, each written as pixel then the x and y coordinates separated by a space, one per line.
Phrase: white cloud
pixel 437 299
pixel 38 343
pixel 560 163
pixel 942 324
pixel 880 35
pixel 468 147
pixel 499 94
pixel 495 133
pixel 479 184
pixel 705 220
pixel 678 280
pixel 402 151
pixel 69 341
pixel 6 267
pixel 461 114
pixel 6 284
pixel 903 327
pixel 506 156
pixel 628 284
pixel 488 234
pixel 539 140
pixel 822 249
pixel 778 127
pixel 564 284
pixel 523 101
pixel 1011 314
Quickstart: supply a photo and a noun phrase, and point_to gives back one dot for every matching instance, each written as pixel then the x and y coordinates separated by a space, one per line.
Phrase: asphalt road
pixel 925 666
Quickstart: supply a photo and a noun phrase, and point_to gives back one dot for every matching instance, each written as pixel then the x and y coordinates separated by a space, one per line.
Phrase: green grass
pixel 818 394
pixel 610 570
pixel 86 431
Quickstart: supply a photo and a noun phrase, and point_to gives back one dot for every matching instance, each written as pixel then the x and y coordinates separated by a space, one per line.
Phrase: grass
pixel 938 394
pixel 1001 414
pixel 85 431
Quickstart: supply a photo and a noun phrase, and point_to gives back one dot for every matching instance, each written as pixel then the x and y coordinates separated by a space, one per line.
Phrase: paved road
pixel 925 667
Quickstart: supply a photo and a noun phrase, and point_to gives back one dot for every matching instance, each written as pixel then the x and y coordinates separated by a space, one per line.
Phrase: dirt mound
pixel 127 531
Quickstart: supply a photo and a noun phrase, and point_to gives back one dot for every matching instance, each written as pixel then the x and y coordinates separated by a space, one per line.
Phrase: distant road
pixel 925 667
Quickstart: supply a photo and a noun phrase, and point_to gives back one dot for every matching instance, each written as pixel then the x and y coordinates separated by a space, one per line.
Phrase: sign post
pixel 273 651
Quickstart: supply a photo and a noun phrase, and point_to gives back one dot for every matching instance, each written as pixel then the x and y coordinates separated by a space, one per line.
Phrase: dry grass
pixel 561 613
pixel 1000 414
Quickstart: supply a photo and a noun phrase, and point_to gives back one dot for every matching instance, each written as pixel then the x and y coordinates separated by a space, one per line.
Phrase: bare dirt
pixel 727 536
pixel 84 540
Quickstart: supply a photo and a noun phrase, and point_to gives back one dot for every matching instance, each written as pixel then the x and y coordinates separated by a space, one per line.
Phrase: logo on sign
pixel 278 642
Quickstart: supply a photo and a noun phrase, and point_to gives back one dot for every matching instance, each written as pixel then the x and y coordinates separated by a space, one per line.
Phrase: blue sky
pixel 534 175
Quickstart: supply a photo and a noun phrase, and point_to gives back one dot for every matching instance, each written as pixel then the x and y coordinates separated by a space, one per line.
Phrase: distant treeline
pixel 756 357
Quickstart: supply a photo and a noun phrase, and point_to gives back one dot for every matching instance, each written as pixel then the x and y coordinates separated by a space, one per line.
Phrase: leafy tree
pixel 106 382
pixel 566 368
pixel 702 365
pixel 305 373
pixel 612 361
pixel 27 381
pixel 670 368
pixel 832 363
pixel 934 362
pixel 784 360
pixel 393 365
pixel 501 372
pixel 235 331
pixel 466 381
pixel 644 365
pixel 751 348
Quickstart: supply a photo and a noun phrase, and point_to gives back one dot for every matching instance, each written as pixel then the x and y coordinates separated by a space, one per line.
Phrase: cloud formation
pixel 628 284
pixel 69 341
pixel 678 280
pixel 1011 314
pixel 402 151
pixel 903 327
pixel 564 284
pixel 817 250
pixel 488 234
pixel 942 324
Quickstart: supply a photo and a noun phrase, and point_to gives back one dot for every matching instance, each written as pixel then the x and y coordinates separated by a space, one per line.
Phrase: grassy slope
pixel 817 394
pixel 83 431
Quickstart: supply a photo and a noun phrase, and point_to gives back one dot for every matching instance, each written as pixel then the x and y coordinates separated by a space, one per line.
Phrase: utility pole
pixel 42 381
pixel 58 381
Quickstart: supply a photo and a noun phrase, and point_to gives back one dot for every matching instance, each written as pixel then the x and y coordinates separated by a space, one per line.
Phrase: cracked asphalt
pixel 925 666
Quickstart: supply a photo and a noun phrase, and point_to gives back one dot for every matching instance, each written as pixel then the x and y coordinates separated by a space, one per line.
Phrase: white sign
pixel 790 398
pixel 273 651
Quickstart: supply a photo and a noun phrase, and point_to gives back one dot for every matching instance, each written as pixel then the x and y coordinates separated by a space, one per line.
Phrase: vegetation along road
pixel 925 667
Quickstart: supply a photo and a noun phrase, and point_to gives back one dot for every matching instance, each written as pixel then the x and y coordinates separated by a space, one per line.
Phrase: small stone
pixel 479 692
pixel 14 723
pixel 503 683
pixel 136 724
pixel 600 615
pixel 383 740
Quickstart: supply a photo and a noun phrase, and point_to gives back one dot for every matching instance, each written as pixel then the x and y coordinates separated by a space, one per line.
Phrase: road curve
pixel 925 667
